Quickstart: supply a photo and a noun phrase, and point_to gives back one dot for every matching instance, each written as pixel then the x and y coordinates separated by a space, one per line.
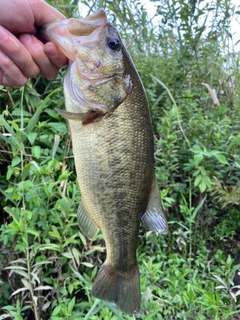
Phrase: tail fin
pixel 123 289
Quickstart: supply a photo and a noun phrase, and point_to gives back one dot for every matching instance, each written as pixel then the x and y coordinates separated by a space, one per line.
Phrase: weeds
pixel 47 266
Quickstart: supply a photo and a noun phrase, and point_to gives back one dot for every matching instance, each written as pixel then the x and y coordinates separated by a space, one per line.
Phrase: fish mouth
pixel 94 67
pixel 67 34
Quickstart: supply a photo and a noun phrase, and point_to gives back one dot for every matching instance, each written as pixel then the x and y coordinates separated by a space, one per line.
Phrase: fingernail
pixel 3 34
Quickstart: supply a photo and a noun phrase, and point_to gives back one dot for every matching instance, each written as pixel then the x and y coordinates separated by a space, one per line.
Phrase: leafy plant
pixel 191 77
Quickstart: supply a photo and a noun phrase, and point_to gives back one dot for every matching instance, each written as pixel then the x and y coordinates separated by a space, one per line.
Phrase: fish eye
pixel 113 43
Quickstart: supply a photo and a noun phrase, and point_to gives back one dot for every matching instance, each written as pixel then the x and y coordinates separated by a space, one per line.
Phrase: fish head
pixel 98 54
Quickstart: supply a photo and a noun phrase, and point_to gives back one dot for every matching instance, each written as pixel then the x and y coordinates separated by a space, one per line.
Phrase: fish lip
pixel 44 31
pixel 64 33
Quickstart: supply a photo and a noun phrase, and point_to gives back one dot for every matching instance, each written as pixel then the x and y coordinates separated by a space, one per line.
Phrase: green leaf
pixel 196 149
pixel 26 284
pixel 32 137
pixel 221 158
pixel 43 288
pixel 34 120
pixel 58 126
pixel 8 176
pixel 18 290
pixel 25 171
pixel 54 234
pixel 16 268
pixel 21 273
pixel 68 255
pixel 40 263
pixel 55 145
pixel 71 305
pixel 77 255
pixel 195 212
pixel 9 190
pixel 57 310
pixel 33 232
pixel 202 186
pixel 87 264
pixel 150 315
pixel 207 181
pixel 52 113
pixel 36 151
pixel 82 237
pixel 6 125
pixel 49 246
pixel 95 248
pixel 16 161
pixel 197 159
pixel 198 180
pixel 19 112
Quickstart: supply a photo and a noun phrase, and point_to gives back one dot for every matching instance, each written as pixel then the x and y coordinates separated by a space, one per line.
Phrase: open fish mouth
pixel 94 49
pixel 68 34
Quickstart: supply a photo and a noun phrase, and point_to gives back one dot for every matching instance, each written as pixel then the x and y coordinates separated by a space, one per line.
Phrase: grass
pixel 47 266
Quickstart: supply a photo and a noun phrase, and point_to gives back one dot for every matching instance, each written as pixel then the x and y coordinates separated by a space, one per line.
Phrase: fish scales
pixel 114 175
pixel 112 141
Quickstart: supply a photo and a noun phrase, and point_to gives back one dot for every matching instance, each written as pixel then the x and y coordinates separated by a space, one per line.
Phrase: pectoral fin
pixel 75 116
pixel 85 222
pixel 154 217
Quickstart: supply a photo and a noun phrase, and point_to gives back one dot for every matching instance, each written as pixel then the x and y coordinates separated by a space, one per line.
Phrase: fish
pixel 113 147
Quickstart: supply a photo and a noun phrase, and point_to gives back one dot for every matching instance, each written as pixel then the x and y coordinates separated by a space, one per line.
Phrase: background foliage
pixel 191 76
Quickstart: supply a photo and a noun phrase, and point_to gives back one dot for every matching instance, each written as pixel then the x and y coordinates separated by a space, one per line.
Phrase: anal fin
pixel 154 217
pixel 85 222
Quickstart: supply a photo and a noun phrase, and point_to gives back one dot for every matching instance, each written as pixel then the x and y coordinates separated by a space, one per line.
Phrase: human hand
pixel 22 54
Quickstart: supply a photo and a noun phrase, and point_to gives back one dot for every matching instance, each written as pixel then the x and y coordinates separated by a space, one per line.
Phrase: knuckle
pixel 14 48
pixel 10 74
pixel 7 64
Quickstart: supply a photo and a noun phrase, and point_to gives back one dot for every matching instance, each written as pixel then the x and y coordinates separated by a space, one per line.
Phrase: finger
pixel 36 50
pixel 20 57
pixel 17 16
pixel 44 13
pixel 55 55
pixel 10 74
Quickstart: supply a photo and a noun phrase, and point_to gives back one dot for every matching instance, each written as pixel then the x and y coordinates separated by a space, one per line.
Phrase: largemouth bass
pixel 112 142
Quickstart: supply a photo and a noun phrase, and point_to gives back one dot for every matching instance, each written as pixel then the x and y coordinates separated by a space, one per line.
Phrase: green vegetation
pixel 47 266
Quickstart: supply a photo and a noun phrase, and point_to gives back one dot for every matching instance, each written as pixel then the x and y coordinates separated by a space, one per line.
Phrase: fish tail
pixel 123 289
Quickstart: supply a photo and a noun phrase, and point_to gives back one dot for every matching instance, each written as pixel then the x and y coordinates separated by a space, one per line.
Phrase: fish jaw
pixel 66 34
pixel 86 42
pixel 97 78
pixel 58 33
